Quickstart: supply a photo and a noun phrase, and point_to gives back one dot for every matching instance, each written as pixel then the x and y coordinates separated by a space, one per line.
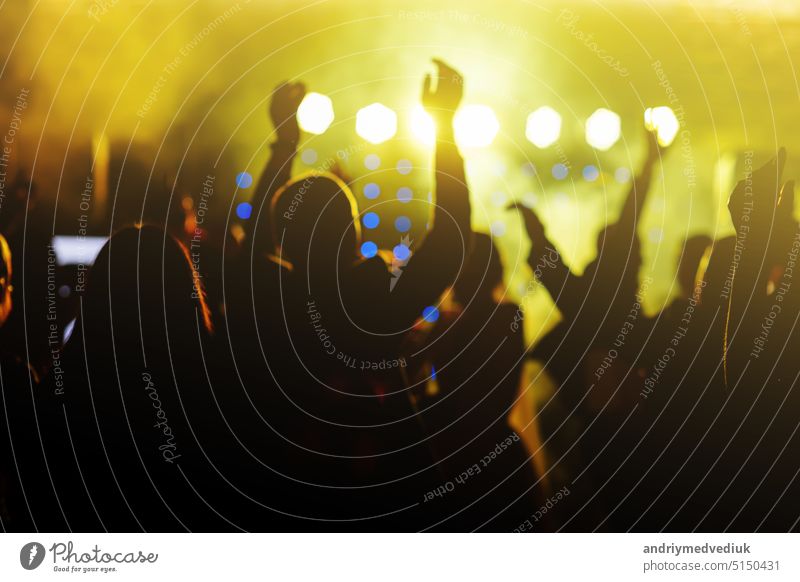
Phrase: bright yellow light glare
pixel 475 126
pixel 543 127
pixel 662 120
pixel 603 129
pixel 315 113
pixel 423 127
pixel 376 123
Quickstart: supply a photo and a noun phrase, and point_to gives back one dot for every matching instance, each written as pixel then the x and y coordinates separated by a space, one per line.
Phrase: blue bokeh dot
pixel 371 220
pixel 430 314
pixel 590 173
pixel 244 180
pixel 402 223
pixel 404 194
pixel 369 249
pixel 560 171
pixel 372 191
pixel 401 252
pixel 244 210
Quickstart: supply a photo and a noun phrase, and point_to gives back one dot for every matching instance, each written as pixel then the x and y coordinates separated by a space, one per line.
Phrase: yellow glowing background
pixel 178 90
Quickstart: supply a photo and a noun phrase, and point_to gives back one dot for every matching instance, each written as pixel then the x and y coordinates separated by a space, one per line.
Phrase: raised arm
pixel 283 111
pixel 548 266
pixel 762 217
pixel 628 221
pixel 434 266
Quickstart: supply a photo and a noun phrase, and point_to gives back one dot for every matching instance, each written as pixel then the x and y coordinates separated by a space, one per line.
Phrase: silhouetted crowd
pixel 290 380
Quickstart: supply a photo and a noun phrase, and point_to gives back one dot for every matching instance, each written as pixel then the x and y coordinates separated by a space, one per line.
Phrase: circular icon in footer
pixel 31 555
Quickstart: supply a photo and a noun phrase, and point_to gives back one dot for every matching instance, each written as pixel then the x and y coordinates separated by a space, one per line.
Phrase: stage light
pixel 543 127
pixel 423 127
pixel 603 129
pixel 315 113
pixel 662 120
pixel 475 126
pixel 376 123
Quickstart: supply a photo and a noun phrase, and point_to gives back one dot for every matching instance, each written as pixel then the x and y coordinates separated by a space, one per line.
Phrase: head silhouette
pixel 315 217
pixel 143 288
pixel 481 274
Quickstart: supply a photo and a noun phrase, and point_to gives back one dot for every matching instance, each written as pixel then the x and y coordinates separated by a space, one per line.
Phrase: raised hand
pixel 283 110
pixel 754 200
pixel 654 149
pixel 445 99
pixel 533 226
pixel 785 210
pixel 786 226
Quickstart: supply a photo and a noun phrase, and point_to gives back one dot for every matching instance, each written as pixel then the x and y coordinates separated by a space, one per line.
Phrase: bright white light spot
pixel 315 113
pixel 544 127
pixel 475 126
pixel 376 123
pixel 74 250
pixel 423 127
pixel 603 129
pixel 662 120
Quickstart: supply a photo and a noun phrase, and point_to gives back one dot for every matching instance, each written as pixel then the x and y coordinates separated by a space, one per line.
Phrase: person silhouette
pixel 129 438
pixel 333 318
pixel 472 379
